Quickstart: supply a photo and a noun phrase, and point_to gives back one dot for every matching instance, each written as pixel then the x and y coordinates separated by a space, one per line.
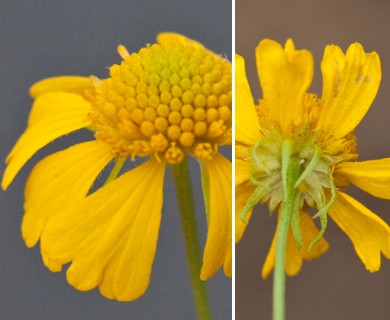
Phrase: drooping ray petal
pixel 243 193
pixel 110 237
pixel 294 258
pixel 59 180
pixel 372 176
pixel 369 234
pixel 140 247
pixel 218 241
pixel 247 125
pixel 285 75
pixel 70 84
pixel 350 84
pixel 53 115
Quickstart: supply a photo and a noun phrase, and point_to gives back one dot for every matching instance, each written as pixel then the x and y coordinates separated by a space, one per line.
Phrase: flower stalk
pixel 290 175
pixel 182 181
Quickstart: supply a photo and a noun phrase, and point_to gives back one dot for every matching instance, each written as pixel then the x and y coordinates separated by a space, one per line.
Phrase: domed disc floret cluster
pixel 164 100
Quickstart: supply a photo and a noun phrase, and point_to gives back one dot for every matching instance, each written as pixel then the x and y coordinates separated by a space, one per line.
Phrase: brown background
pixel 336 286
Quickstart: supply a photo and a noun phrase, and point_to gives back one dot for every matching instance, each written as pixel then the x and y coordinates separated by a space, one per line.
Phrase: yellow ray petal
pixel 70 84
pixel 350 84
pixel 269 262
pixel 242 172
pixel 369 234
pixel 294 258
pixel 243 192
pixel 285 75
pixel 59 180
pixel 371 176
pixel 53 115
pixel 110 237
pixel 218 243
pixel 177 40
pixel 247 125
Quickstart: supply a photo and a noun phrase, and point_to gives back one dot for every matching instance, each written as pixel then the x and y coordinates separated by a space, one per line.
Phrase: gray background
pixel 39 39
pixel 336 286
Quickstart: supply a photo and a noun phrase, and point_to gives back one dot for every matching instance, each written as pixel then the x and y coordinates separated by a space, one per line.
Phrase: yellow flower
pixel 166 101
pixel 320 132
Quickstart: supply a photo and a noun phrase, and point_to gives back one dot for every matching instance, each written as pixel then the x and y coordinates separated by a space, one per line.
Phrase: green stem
pixel 290 175
pixel 182 181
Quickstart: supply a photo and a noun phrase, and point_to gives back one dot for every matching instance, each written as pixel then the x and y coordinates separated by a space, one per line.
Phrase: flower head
pixel 169 100
pixel 317 133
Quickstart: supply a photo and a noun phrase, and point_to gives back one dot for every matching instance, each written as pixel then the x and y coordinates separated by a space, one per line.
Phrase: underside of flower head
pixel 317 159
pixel 290 124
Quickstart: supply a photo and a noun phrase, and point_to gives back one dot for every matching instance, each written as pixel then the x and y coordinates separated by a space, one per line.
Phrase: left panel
pixel 117 176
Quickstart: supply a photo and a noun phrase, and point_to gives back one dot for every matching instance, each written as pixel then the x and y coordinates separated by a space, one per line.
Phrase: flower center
pixel 164 100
